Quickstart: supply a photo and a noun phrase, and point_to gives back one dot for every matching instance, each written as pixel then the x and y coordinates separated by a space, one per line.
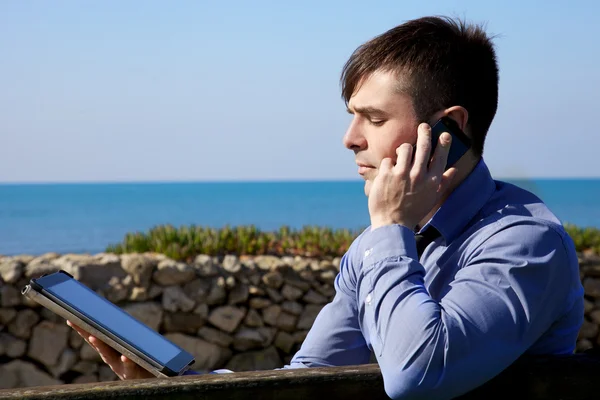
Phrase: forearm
pixel 495 308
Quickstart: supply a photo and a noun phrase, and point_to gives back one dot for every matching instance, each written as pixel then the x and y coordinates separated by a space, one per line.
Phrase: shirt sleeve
pixel 512 287
pixel 335 338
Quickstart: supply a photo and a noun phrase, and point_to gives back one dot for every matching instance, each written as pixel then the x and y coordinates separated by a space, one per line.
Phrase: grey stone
pixel 292 307
pixel 284 341
pixel 595 316
pixel 93 271
pixel 286 322
pixel 197 290
pixel 217 294
pixel 230 282
pixel 9 296
pixel 308 316
pixel 587 307
pixel 50 316
pixel 44 333
pixel 87 353
pixel 326 290
pixel 85 367
pixel 313 297
pixel 588 330
pixel 227 318
pixel 7 315
pixel 239 294
pixel 253 319
pixel 67 360
pixel 299 336
pixel 39 267
pixel 13 347
pixel 154 292
pixel 270 314
pixel 138 294
pixel 255 360
pixel 139 267
pixel 201 310
pixel 215 336
pixel 116 291
pixel 328 276
pixel 148 313
pixel 75 340
pixel 291 293
pixel 27 374
pixel 267 262
pixel 592 287
pixel 183 322
pixel 247 339
pixel 22 324
pixel 256 291
pixel 105 374
pixel 170 272
pixel 231 264
pixel 208 356
pixel 174 299
pixel 273 279
pixel 8 379
pixel 336 263
pixel 297 282
pixel 205 266
pixel 11 271
pixel 259 303
pixel 274 295
pixel 268 334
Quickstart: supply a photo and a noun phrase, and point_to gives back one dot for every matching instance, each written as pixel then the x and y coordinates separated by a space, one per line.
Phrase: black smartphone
pixel 69 298
pixel 461 143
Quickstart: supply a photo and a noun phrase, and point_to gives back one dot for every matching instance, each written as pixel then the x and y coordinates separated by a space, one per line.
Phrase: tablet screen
pixel 115 320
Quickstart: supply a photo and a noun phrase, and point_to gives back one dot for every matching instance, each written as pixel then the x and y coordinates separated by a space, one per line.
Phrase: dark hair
pixel 440 63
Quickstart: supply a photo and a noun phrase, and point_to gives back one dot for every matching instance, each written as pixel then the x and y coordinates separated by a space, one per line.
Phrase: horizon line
pixel 237 181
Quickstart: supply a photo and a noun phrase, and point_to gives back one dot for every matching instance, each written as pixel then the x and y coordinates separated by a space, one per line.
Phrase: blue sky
pixel 240 90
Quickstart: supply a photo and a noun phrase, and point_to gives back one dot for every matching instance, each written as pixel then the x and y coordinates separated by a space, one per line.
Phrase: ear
pixel 460 115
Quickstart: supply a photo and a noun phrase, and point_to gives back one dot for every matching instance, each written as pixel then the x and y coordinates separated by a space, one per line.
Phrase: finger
pixel 447 178
pixel 404 157
pixel 109 355
pixel 423 148
pixel 438 164
pixel 385 165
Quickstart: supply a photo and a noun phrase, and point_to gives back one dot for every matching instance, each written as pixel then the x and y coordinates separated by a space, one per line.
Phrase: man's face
pixel 383 120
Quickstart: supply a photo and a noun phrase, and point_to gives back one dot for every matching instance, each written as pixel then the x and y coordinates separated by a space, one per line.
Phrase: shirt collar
pixel 464 203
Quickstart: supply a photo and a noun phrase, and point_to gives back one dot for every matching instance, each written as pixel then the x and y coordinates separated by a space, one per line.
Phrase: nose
pixel 354 139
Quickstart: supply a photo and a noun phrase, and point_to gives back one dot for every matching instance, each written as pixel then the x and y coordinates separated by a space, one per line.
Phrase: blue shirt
pixel 501 281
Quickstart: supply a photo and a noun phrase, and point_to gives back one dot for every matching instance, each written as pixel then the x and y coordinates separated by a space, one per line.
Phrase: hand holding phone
pixel 461 143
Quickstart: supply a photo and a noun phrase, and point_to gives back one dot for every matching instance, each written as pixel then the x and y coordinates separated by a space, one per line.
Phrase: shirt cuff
pixel 387 241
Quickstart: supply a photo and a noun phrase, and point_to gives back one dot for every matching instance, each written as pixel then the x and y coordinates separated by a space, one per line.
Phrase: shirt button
pixel 368 252
pixel 368 299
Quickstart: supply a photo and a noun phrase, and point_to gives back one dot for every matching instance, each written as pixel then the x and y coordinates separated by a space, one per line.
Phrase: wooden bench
pixel 572 377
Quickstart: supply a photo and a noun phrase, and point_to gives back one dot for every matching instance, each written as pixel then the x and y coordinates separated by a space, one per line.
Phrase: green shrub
pixel 186 242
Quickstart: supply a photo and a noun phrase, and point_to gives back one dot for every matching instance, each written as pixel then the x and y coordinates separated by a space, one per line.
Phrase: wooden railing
pixel 574 377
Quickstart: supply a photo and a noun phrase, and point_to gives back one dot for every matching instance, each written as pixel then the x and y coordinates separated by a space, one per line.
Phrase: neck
pixel 463 167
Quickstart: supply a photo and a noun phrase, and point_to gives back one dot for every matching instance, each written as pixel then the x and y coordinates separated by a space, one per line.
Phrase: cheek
pixel 384 144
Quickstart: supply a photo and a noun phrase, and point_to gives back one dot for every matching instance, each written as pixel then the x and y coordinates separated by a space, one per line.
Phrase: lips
pixel 364 168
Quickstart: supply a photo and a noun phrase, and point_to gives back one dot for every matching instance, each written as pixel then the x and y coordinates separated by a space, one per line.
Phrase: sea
pixel 86 218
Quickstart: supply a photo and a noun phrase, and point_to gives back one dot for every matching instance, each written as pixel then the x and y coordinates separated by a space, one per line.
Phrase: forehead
pixel 381 90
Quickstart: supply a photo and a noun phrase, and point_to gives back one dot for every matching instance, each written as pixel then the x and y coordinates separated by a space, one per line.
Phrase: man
pixel 499 277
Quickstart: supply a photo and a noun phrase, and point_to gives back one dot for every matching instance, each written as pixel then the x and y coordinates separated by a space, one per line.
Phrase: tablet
pixel 72 300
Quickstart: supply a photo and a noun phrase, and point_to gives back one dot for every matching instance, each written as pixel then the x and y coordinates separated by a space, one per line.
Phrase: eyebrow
pixel 368 111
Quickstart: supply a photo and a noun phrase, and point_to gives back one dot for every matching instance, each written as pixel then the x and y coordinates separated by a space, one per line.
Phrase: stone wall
pixel 243 314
